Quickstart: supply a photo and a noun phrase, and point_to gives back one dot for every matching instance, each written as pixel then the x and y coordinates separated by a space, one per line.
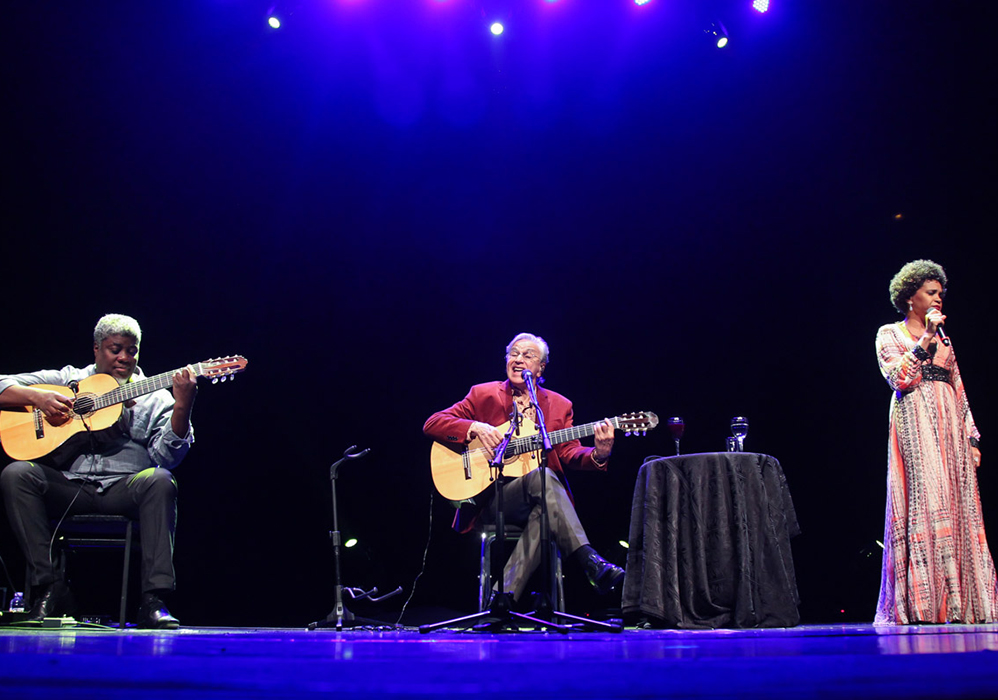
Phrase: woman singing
pixel 937 567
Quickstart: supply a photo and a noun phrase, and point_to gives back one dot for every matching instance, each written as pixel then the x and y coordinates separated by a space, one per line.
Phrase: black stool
pixel 96 531
pixel 513 534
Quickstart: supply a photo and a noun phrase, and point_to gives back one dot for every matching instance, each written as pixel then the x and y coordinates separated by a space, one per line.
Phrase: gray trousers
pixel 35 494
pixel 522 507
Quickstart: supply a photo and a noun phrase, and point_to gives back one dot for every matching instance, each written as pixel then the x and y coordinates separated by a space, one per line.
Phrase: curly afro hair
pixel 910 279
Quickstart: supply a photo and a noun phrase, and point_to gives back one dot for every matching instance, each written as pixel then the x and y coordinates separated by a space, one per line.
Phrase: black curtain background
pixel 370 202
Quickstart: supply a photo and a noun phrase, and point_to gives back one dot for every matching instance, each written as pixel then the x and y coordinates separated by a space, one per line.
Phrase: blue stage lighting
pixel 274 22
pixel 760 5
pixel 496 28
pixel 641 2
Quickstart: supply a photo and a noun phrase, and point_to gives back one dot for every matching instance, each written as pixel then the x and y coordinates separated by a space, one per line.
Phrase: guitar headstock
pixel 637 423
pixel 221 368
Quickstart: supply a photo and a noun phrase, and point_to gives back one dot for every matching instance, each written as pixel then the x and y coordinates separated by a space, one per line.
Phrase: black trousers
pixel 35 494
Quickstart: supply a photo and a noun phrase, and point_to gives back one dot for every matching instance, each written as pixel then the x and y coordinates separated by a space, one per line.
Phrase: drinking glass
pixel 739 428
pixel 676 427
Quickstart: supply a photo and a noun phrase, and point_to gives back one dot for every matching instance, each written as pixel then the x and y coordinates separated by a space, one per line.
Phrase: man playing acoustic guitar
pixel 474 419
pixel 123 470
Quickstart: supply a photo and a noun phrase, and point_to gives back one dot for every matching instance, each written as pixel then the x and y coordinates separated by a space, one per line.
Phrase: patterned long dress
pixel 937 566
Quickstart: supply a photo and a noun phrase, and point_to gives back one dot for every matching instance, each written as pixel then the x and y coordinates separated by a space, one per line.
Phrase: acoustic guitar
pixel 27 433
pixel 462 475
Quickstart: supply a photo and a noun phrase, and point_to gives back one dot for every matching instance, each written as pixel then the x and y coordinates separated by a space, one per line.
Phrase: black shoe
pixel 52 600
pixel 602 574
pixel 153 614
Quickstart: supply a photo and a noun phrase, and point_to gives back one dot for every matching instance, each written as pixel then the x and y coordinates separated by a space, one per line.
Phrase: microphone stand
pixel 544 606
pixel 340 616
pixel 500 611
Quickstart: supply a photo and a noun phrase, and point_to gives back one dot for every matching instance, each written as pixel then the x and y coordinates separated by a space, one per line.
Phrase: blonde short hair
pixel 116 324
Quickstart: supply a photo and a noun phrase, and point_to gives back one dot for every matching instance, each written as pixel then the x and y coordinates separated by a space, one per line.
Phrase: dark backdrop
pixel 370 202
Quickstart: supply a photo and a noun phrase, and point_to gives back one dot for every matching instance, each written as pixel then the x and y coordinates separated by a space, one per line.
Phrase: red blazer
pixel 492 403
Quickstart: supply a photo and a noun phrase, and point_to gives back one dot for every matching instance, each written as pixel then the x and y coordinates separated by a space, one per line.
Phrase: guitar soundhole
pixel 83 405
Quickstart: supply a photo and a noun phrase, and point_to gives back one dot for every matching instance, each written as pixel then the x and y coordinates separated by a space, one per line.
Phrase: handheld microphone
pixel 942 335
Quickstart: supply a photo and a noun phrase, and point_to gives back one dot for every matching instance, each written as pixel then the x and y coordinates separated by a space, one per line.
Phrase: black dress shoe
pixel 52 600
pixel 602 574
pixel 153 614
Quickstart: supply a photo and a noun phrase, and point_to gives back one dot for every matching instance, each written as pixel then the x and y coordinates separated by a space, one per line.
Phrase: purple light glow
pixel 760 5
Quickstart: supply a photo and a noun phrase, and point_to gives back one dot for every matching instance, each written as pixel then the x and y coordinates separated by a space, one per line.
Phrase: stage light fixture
pixel 350 543
pixel 274 22
pixel 718 34
pixel 760 5
pixel 641 2
pixel 497 28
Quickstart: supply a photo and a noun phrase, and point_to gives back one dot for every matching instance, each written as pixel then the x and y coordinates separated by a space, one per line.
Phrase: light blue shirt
pixel 143 437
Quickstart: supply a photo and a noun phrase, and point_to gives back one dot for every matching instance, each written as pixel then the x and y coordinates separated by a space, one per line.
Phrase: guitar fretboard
pixel 133 390
pixel 519 446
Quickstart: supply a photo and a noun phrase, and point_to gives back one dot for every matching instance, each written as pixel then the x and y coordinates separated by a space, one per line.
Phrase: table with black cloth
pixel 709 543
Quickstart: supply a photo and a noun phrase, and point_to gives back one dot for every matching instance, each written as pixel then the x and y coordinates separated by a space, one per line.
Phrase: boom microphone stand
pixel 500 614
pixel 543 441
pixel 340 616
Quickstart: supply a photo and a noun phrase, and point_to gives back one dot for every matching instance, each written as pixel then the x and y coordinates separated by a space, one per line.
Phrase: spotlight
pixel 641 2
pixel 496 28
pixel 352 542
pixel 274 22
pixel 718 34
pixel 760 5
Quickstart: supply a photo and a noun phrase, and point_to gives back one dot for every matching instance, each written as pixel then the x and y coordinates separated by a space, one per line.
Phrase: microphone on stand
pixel 528 377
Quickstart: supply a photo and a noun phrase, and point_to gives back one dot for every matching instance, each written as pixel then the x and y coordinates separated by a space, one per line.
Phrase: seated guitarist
pixel 491 404
pixel 123 470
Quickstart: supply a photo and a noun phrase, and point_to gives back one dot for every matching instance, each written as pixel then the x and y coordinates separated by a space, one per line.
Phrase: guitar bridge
pixel 39 420
pixel 466 460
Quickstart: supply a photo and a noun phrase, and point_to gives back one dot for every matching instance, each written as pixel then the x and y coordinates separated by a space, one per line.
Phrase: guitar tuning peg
pixel 214 380
pixel 627 434
pixel 223 379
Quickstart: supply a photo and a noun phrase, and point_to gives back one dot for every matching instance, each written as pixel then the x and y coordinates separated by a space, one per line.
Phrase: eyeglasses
pixel 528 355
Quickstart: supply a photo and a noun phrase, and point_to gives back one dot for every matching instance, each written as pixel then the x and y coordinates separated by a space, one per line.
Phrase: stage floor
pixel 827 661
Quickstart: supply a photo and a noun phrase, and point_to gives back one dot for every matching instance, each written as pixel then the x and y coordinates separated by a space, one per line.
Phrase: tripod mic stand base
pixel 346 621
pixel 499 617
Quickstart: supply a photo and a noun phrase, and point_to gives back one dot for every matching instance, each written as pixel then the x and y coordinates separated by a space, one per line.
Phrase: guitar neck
pixel 133 390
pixel 522 445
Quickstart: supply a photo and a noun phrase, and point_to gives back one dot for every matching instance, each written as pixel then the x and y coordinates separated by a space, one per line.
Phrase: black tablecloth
pixel 710 543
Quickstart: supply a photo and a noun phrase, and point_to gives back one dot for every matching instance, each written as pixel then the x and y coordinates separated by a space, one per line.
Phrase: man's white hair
pixel 545 352
pixel 116 324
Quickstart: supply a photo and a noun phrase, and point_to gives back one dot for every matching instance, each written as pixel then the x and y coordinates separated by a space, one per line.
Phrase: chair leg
pixel 559 581
pixel 485 573
pixel 124 575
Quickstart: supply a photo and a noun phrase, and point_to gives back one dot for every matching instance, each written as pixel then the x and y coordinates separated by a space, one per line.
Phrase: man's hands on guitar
pixel 54 405
pixel 185 386
pixel 489 436
pixel 185 389
pixel 603 433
